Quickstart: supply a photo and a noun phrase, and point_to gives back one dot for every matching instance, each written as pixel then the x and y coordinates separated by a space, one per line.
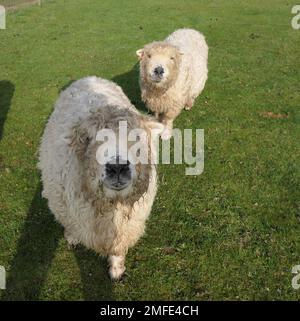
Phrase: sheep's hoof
pixel 117 273
pixel 166 134
pixel 189 104
pixel 116 267
pixel 72 242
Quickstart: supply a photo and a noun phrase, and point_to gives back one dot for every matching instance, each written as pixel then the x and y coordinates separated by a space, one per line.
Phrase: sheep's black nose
pixel 159 71
pixel 115 170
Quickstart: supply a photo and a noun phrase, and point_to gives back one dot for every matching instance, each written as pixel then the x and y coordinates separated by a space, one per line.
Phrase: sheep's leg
pixel 168 123
pixel 159 117
pixel 189 103
pixel 72 241
pixel 116 266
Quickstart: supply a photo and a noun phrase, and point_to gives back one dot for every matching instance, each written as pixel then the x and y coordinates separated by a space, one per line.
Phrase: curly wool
pixel 187 82
pixel 69 169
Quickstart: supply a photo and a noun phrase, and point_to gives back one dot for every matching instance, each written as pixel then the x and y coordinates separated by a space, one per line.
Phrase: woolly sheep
pixel 103 207
pixel 173 73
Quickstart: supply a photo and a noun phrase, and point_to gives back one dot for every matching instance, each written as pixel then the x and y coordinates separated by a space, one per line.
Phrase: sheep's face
pixel 113 176
pixel 159 63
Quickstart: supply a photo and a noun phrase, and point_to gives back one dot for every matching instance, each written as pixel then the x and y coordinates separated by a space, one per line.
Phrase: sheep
pixel 102 206
pixel 173 73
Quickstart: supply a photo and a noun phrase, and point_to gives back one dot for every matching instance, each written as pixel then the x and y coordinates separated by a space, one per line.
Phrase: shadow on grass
pixel 6 93
pixel 35 251
pixel 129 82
pixel 96 285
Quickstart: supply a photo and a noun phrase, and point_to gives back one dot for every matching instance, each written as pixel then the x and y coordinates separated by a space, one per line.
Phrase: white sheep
pixel 173 73
pixel 102 206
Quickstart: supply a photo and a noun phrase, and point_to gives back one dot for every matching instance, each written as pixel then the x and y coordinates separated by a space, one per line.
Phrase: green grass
pixel 234 231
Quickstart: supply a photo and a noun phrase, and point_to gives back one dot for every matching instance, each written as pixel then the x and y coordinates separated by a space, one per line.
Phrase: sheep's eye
pixel 149 56
pixel 172 58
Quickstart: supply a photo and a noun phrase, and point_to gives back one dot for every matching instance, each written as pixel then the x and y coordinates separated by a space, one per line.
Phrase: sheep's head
pixel 106 169
pixel 159 64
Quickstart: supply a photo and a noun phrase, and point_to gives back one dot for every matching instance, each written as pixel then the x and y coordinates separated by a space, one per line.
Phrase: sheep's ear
pixel 140 53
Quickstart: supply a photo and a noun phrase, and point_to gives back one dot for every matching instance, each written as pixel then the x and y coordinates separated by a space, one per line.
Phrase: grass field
pixel 232 232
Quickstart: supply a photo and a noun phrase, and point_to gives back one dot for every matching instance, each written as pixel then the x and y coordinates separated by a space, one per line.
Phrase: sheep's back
pixel 193 46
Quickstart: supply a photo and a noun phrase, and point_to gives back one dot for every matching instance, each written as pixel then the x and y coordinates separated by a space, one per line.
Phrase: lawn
pixel 232 232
